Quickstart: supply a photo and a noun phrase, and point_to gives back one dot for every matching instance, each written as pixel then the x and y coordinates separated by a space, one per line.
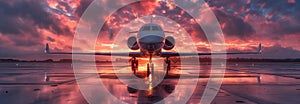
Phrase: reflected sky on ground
pixel 243 82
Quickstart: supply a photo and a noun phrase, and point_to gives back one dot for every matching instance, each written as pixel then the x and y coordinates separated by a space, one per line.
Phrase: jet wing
pixel 170 54
pixel 129 54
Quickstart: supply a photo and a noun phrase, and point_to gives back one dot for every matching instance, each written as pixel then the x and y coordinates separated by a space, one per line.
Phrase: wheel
pixel 132 67
pixel 148 70
pixel 152 69
pixel 167 66
pixel 167 71
pixel 136 65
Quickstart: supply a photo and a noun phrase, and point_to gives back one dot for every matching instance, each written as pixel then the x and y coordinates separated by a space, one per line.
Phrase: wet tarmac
pixel 35 83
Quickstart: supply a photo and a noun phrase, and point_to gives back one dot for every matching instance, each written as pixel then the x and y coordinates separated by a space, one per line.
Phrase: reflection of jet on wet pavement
pixel 153 95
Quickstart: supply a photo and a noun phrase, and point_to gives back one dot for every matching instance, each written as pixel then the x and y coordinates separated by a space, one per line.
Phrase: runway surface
pixel 244 82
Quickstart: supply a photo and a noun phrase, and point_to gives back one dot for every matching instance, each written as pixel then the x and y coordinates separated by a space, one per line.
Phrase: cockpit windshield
pixel 151 28
pixel 155 28
pixel 146 28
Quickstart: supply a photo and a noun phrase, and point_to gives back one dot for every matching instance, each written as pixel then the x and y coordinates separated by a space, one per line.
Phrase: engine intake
pixel 169 43
pixel 132 43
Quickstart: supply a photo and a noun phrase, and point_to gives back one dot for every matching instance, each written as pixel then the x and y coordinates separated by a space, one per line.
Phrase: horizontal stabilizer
pixel 170 32
pixel 133 32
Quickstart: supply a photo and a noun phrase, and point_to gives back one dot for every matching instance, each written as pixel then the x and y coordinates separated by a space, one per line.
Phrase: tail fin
pixel 47 49
pixel 259 50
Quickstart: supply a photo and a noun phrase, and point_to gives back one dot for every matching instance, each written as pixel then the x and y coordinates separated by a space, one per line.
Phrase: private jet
pixel 150 40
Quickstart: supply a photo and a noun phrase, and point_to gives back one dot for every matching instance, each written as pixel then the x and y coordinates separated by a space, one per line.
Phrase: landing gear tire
pixel 167 66
pixel 134 66
pixel 152 69
pixel 150 66
pixel 148 70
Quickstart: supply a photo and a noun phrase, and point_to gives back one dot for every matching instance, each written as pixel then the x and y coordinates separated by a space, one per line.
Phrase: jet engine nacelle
pixel 132 43
pixel 169 43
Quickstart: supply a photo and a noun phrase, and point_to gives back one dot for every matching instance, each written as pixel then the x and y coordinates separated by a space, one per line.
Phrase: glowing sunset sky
pixel 27 25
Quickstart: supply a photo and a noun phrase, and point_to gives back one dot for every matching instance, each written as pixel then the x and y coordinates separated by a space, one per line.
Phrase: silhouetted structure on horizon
pixel 172 59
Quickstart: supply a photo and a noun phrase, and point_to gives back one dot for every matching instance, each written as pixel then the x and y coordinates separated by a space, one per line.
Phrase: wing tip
pixel 47 49
pixel 259 51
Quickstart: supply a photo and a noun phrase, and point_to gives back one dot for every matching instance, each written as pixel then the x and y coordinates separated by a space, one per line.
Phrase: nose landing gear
pixel 150 66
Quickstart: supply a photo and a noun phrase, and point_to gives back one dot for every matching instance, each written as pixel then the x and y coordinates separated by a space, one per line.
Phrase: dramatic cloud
pixel 24 16
pixel 277 51
pixel 27 25
pixel 234 26
pixel 82 7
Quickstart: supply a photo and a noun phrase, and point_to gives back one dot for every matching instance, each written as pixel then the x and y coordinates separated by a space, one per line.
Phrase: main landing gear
pixel 134 65
pixel 150 66
pixel 167 65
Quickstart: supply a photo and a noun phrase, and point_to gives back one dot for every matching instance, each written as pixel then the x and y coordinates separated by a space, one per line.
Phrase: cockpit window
pixel 146 28
pixel 151 28
pixel 155 28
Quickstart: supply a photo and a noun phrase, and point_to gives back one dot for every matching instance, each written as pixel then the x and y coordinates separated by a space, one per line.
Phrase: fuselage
pixel 151 39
